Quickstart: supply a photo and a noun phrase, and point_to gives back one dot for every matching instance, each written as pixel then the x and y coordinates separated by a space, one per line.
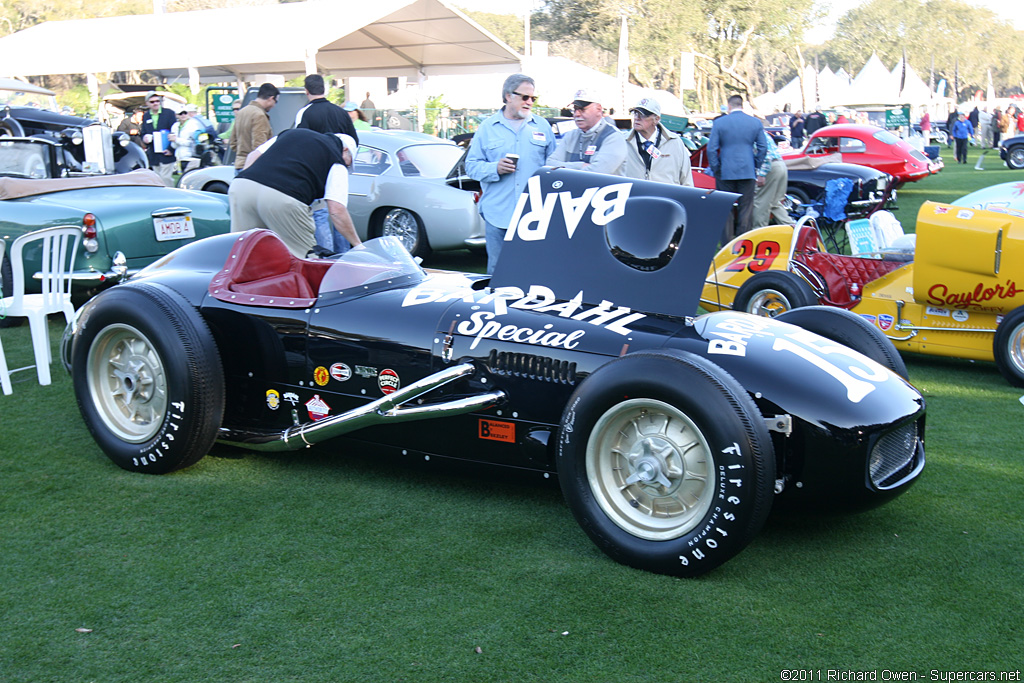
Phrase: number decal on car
pixel 756 259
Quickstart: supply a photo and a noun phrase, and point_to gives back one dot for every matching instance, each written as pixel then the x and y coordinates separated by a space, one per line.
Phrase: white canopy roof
pixel 377 38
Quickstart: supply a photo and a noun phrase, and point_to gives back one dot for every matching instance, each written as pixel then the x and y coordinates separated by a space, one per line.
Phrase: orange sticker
pixel 497 431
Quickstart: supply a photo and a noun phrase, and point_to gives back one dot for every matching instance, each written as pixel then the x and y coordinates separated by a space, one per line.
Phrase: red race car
pixel 870 146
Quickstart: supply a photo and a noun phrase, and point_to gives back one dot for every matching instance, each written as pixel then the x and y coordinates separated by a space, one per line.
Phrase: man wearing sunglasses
pixel 506 150
pixel 157 133
pixel 655 152
pixel 596 144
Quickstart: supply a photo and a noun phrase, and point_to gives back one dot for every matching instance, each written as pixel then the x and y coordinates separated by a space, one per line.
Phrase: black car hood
pixel 50 120
pixel 598 238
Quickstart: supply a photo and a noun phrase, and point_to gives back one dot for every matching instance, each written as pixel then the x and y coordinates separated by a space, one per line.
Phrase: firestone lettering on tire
pixel 172 421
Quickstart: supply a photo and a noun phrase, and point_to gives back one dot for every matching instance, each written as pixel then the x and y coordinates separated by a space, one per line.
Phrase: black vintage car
pixel 672 434
pixel 1011 150
pixel 86 146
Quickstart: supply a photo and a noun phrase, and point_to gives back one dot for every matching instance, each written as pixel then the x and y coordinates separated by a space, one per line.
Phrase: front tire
pixel 1008 347
pixel 148 378
pixel 408 228
pixel 849 329
pixel 1015 157
pixel 774 292
pixel 666 463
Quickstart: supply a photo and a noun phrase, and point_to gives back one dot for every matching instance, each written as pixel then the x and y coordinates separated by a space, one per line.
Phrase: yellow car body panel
pixel 756 251
pixel 948 301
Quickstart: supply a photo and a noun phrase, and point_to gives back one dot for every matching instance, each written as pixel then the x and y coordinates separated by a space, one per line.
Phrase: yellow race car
pixel 953 293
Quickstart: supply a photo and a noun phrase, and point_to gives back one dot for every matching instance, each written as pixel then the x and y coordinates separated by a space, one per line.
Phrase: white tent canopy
pixel 873 86
pixel 412 38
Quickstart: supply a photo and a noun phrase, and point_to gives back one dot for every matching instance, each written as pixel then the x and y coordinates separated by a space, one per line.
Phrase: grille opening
pixel 893 456
pixel 534 367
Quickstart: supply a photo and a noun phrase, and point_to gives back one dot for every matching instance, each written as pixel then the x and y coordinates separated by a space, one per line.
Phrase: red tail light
pixel 476 197
pixel 89 226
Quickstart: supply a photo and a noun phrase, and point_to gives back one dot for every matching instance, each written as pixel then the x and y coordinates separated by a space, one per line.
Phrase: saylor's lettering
pixel 939 295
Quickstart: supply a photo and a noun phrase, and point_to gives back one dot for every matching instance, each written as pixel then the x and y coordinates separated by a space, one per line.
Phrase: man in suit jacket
pixel 735 150
pixel 157 134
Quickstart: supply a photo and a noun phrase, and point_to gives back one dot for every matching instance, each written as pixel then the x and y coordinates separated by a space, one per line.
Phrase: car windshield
pixel 23 159
pixel 887 137
pixel 375 260
pixel 428 161
pixel 19 98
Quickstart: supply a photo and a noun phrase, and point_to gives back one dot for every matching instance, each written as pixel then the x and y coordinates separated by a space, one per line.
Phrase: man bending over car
pixel 286 174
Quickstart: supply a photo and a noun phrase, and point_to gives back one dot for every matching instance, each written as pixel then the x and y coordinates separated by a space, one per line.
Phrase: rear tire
pixel 666 463
pixel 1008 347
pixel 217 187
pixel 407 227
pixel 774 292
pixel 148 378
pixel 849 329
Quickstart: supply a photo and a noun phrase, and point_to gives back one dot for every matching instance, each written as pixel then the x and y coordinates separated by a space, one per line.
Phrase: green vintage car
pixel 128 220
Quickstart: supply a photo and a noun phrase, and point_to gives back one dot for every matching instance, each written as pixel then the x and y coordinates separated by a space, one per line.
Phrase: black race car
pixel 672 435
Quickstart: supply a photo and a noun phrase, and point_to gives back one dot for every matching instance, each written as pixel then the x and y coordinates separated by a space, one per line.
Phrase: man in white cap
pixel 655 152
pixel 596 144
pixel 280 181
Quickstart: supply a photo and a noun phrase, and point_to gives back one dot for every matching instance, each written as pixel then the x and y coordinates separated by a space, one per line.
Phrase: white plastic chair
pixel 57 249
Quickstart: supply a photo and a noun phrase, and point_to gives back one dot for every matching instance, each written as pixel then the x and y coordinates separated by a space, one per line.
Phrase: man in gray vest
pixel 596 144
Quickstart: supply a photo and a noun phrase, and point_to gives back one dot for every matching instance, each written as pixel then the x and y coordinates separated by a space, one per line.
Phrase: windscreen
pixel 373 261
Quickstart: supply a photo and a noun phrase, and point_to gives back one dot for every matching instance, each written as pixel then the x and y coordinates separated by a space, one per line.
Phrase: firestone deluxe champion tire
pixel 666 463
pixel 1008 347
pixel 148 378
pixel 849 329
pixel 774 292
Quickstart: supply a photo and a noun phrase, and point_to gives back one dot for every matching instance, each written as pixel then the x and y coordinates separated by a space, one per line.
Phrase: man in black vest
pixel 596 145
pixel 280 181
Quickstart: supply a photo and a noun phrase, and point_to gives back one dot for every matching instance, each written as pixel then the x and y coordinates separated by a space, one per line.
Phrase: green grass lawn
pixel 330 565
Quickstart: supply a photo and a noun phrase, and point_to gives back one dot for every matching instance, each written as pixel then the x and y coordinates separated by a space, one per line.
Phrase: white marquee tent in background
pixel 873 86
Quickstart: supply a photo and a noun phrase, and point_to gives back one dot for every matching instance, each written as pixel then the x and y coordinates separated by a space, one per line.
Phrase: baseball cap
pixel 153 93
pixel 585 96
pixel 350 106
pixel 649 105
pixel 350 144
pixel 191 107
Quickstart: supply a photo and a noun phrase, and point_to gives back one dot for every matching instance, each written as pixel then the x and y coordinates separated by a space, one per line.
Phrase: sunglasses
pixel 641 114
pixel 526 98
pixel 154 101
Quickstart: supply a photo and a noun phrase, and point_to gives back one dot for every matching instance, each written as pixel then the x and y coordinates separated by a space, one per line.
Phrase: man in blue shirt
pixel 513 130
pixel 962 130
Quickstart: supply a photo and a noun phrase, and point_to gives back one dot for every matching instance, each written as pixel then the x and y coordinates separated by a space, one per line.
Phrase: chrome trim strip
pixel 171 211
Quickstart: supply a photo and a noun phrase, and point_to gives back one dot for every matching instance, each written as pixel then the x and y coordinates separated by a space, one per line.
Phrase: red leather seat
pixel 261 271
pixel 844 276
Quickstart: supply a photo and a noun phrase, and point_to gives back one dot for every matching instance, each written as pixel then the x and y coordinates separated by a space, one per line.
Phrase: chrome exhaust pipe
pixel 387 409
